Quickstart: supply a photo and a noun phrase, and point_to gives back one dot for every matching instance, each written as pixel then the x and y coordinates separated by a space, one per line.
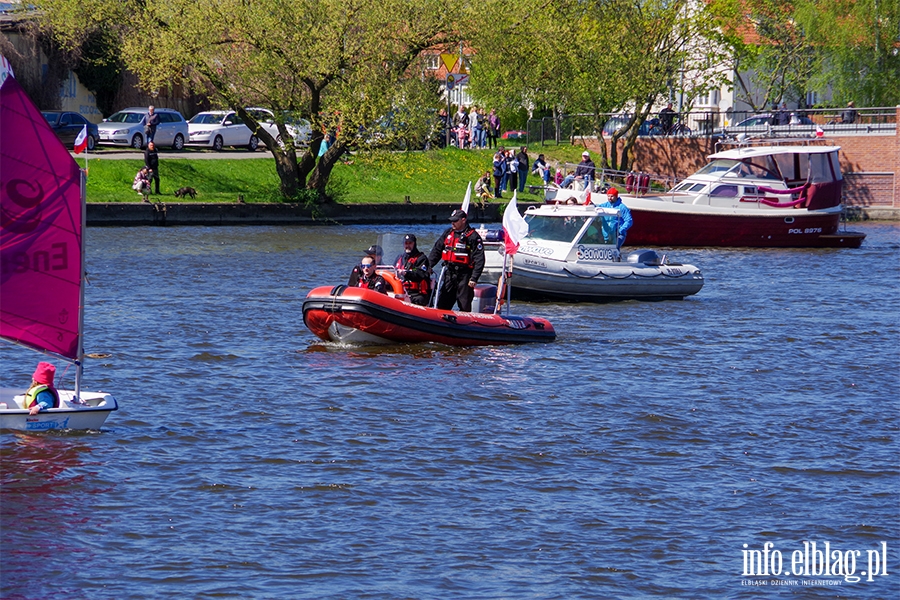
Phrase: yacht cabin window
pixel 725 191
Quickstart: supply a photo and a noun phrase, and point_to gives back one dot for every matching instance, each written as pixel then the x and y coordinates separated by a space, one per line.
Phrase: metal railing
pixel 790 123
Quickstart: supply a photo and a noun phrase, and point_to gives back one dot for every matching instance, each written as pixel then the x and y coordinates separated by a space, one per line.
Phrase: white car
pixel 219 128
pixel 126 128
pixel 300 129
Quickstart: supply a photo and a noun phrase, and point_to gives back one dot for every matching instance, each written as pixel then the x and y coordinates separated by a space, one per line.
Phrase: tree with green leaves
pixel 591 57
pixel 346 65
pixel 846 49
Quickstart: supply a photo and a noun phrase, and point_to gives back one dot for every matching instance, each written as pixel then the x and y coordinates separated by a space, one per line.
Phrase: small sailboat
pixel 42 215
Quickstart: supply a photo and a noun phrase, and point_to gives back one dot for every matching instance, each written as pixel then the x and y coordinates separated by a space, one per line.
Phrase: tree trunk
pixel 319 178
pixel 286 167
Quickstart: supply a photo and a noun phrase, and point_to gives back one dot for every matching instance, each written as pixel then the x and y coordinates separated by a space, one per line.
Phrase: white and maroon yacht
pixel 760 196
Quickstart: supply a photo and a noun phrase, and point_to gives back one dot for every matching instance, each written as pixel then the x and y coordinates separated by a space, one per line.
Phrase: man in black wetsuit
pixel 461 249
pixel 412 268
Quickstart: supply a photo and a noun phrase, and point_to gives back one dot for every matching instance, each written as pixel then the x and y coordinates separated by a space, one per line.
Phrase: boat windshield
pixel 554 229
pixel 719 166
pixel 763 167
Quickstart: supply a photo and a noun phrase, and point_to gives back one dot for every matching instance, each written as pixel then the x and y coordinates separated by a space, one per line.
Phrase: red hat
pixel 44 373
pixel 612 192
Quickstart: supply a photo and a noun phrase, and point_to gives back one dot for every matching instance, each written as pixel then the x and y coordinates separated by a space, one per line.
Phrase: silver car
pixel 126 128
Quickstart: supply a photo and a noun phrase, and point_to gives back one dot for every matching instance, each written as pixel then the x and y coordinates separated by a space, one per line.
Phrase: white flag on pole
pixel 81 140
pixel 465 204
pixel 514 226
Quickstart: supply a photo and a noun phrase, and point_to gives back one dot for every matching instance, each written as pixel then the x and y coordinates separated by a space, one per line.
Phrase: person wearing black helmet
pixel 376 253
pixel 461 249
pixel 412 268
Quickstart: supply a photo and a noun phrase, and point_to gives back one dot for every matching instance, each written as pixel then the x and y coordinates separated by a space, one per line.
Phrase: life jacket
pixel 456 248
pixel 32 394
pixel 412 287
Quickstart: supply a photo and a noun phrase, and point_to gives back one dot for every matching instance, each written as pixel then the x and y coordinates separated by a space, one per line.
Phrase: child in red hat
pixel 42 395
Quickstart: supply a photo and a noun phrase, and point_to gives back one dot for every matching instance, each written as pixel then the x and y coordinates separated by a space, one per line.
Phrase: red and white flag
pixel 587 197
pixel 515 227
pixel 82 140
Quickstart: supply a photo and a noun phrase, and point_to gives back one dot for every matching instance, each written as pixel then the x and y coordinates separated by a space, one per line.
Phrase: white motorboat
pixel 42 215
pixel 755 196
pixel 570 254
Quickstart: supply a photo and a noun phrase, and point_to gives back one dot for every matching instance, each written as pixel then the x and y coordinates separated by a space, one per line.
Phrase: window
pixel 66 119
pixel 820 168
pixel 812 98
pixel 725 191
pixel 433 62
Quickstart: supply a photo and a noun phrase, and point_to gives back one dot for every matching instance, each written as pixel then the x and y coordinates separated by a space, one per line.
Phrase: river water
pixel 647 452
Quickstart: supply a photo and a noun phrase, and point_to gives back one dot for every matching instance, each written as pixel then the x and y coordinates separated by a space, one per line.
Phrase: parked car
pixel 67 126
pixel 299 129
pixel 649 127
pixel 219 128
pixel 126 128
pixel 766 119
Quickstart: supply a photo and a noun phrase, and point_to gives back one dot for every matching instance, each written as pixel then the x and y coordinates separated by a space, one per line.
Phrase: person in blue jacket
pixel 625 220
pixel 499 173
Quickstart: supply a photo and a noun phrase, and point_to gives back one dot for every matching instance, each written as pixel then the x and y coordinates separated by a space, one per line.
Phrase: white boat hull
pixel 593 281
pixel 69 416
pixel 598 283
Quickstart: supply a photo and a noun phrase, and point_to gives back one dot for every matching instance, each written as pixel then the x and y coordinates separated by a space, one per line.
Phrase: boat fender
pixel 629 182
pixel 396 284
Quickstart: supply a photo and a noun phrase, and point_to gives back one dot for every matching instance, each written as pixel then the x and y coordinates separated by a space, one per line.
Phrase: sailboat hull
pixel 69 416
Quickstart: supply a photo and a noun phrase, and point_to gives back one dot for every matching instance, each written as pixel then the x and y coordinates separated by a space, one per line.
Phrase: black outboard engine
pixel 647 257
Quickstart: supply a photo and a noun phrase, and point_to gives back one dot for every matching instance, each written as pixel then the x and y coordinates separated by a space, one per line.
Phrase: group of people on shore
pixel 459 247
pixel 510 169
pixel 149 173
pixel 473 128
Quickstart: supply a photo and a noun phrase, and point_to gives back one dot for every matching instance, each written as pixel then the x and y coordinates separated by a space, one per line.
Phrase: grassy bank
pixel 434 176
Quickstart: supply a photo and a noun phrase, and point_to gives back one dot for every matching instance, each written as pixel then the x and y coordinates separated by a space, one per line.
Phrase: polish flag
pixel 81 141
pixel 587 198
pixel 514 227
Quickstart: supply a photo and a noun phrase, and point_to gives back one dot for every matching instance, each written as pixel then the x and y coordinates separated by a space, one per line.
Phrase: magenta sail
pixel 40 230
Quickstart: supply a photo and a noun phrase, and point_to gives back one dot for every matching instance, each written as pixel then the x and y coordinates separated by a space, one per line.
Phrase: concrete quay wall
pixel 165 214
pixel 161 214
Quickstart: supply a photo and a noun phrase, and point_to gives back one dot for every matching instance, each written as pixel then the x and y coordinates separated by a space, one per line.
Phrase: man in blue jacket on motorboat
pixel 625 220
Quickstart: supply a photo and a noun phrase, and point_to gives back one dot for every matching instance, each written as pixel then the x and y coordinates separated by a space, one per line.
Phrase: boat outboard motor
pixel 647 257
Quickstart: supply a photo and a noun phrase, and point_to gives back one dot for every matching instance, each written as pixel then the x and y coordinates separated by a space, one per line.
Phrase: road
pixel 192 153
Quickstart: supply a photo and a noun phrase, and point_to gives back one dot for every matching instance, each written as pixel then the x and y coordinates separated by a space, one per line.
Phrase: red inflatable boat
pixel 361 316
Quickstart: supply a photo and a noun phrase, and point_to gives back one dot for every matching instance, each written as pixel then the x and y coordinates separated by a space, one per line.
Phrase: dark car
pixel 67 126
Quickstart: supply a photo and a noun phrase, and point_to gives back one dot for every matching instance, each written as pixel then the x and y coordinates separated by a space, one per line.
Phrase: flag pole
pixel 502 283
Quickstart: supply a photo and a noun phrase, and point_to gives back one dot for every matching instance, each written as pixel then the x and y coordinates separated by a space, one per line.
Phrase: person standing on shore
pixel 522 168
pixel 512 169
pixel 151 122
pixel 499 173
pixel 151 161
pixel 493 128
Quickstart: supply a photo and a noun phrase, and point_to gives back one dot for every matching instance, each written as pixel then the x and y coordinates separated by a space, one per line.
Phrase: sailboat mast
pixel 79 359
